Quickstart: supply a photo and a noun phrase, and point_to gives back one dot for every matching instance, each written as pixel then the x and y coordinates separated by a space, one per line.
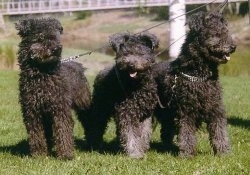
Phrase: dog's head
pixel 134 53
pixel 211 30
pixel 40 40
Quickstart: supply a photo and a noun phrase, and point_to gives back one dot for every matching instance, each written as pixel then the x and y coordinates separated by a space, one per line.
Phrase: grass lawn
pixel 14 157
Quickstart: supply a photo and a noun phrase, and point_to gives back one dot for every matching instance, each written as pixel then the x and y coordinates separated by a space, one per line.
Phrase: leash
pixel 172 89
pixel 72 58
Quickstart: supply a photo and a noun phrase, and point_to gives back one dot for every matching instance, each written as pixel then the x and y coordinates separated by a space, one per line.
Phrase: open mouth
pixel 133 74
pixel 226 57
pixel 221 57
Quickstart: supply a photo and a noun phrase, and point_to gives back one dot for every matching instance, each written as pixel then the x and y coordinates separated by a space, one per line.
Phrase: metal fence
pixel 12 7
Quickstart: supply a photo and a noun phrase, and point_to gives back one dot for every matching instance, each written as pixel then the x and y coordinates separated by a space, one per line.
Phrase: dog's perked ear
pixel 118 40
pixel 149 40
pixel 196 22
pixel 23 27
pixel 57 25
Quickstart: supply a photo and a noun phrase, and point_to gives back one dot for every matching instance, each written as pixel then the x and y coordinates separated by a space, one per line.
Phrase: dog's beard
pixel 45 56
pixel 221 58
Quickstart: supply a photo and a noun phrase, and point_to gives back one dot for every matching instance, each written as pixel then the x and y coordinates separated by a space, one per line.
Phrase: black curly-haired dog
pixel 189 86
pixel 127 91
pixel 48 88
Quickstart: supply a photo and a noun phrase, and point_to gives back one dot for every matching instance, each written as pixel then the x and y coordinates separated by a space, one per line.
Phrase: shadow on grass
pixel 161 148
pixel 111 147
pixel 239 122
pixel 21 149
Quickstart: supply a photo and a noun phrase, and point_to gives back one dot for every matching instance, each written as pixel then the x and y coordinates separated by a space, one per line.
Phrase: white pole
pixel 2 24
pixel 177 27
pixel 249 10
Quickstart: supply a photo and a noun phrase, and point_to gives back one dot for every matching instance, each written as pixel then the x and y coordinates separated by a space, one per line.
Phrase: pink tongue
pixel 227 58
pixel 132 75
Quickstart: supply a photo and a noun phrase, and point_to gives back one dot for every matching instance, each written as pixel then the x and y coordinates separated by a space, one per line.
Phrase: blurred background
pixel 87 28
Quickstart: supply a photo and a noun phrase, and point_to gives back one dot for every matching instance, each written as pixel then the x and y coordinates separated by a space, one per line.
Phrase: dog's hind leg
pixel 82 101
pixel 95 125
pixel 168 128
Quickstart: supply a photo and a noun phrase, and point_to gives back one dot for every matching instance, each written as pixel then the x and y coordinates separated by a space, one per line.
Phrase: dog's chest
pixel 194 94
pixel 42 90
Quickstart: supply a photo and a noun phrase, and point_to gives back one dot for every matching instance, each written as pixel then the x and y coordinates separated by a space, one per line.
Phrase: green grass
pixel 239 63
pixel 13 142
pixel 8 50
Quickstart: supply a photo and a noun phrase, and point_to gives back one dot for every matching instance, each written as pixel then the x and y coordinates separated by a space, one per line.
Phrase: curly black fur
pixel 49 89
pixel 127 91
pixel 189 86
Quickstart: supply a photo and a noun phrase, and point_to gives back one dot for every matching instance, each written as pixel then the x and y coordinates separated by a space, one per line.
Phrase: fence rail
pixel 13 7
